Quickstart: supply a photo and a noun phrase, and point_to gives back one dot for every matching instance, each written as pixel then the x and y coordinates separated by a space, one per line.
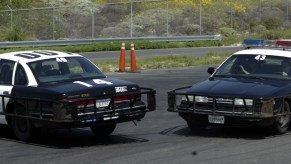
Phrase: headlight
pixel 201 99
pixel 249 102
pixel 184 98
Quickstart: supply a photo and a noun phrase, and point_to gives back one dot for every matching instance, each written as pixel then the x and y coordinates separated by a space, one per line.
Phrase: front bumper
pixel 230 121
pixel 263 111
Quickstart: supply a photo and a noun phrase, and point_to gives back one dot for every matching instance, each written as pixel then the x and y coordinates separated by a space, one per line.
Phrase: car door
pixel 6 72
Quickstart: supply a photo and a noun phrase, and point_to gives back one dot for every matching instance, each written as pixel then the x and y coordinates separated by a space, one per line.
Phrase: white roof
pixel 273 52
pixel 35 55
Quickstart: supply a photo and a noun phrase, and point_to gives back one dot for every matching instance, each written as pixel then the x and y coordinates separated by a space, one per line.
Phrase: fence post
pixel 11 17
pixel 93 21
pixel 131 15
pixel 54 23
pixel 167 18
pixel 200 19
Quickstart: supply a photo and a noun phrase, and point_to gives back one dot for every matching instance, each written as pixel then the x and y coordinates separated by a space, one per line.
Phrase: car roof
pixel 265 51
pixel 35 55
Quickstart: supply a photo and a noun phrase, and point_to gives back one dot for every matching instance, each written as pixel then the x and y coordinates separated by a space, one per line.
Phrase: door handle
pixel 5 92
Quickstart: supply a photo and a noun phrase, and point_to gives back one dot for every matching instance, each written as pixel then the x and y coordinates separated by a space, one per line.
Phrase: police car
pixel 45 89
pixel 250 88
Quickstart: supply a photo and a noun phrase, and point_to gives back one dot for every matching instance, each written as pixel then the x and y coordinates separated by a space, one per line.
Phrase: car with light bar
pixel 50 89
pixel 252 87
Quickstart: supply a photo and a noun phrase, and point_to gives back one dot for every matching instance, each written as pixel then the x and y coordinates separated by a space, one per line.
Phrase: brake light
pixel 79 102
pixel 136 96
pixel 87 103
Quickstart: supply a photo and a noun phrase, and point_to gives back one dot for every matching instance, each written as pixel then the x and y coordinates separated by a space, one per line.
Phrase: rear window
pixel 64 69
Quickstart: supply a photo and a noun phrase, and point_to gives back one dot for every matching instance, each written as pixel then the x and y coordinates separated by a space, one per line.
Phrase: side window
pixel 20 76
pixel 6 70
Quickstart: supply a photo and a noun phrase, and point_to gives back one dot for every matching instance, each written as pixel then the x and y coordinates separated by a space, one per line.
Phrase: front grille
pixel 223 108
pixel 219 106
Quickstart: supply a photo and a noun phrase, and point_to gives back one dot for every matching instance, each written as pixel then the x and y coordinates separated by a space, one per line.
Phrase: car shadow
pixel 70 138
pixel 253 133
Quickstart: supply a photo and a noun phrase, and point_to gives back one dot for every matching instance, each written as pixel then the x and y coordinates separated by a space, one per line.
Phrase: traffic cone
pixel 122 58
pixel 132 58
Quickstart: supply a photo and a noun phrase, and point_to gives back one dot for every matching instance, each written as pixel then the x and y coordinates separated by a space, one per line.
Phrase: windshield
pixel 63 69
pixel 255 66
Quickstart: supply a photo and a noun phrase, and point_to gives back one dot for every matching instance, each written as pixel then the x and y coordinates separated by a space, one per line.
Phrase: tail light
pixel 79 102
pixel 131 96
pixel 87 103
pixel 82 104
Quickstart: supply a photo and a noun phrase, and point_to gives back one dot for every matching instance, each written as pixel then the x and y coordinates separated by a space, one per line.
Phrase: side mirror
pixel 211 70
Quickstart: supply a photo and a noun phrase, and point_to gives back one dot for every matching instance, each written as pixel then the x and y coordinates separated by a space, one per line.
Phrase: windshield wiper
pixel 228 76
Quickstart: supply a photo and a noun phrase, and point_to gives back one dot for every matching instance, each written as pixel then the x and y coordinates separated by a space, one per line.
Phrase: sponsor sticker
pixel 121 89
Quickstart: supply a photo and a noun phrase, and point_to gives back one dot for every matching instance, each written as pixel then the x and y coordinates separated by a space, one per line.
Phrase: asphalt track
pixel 161 137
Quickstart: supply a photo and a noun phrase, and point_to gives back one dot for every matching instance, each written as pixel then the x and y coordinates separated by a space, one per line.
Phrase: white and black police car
pixel 250 88
pixel 45 89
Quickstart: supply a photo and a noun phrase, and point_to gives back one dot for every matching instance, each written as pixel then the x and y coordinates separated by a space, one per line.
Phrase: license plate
pixel 216 119
pixel 102 103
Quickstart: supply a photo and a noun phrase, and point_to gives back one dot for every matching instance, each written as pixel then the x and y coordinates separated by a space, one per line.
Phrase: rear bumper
pixel 47 113
pixel 95 119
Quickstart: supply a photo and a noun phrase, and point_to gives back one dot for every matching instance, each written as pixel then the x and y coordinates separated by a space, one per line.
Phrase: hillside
pixel 62 19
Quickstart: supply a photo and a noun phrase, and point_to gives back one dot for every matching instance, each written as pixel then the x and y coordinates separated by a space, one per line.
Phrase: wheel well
pixel 288 100
pixel 9 110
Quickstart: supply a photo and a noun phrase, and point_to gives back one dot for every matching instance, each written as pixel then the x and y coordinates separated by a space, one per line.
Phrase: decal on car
pixel 99 81
pixel 83 83
pixel 96 81
pixel 37 54
pixel 121 89
pixel 61 60
pixel 260 57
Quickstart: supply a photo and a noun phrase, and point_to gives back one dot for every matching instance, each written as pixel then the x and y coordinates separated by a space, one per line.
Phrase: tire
pixel 22 127
pixel 104 130
pixel 281 123
pixel 195 127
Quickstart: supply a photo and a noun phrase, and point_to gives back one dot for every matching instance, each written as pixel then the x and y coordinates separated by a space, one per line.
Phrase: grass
pixel 113 46
pixel 170 61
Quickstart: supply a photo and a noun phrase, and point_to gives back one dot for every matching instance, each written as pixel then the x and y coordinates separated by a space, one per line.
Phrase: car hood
pixel 77 89
pixel 241 88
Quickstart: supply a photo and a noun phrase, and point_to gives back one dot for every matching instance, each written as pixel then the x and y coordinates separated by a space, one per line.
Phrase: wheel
pixel 195 126
pixel 22 128
pixel 282 122
pixel 104 130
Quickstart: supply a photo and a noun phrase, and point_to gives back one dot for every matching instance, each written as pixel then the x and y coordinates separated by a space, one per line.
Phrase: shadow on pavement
pixel 68 139
pixel 222 132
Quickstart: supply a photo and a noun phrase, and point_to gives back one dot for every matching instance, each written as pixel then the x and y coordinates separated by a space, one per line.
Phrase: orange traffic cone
pixel 122 58
pixel 132 58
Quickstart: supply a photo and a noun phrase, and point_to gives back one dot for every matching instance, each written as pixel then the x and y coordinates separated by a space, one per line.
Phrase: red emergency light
pixel 283 43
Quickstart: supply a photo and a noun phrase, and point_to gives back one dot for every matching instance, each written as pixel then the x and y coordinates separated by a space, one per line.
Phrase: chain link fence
pixel 156 18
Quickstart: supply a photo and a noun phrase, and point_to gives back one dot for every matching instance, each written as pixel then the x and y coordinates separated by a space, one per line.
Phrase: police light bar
pixel 253 43
pixel 283 43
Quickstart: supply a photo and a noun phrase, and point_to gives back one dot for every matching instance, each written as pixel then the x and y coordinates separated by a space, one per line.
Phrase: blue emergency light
pixel 253 42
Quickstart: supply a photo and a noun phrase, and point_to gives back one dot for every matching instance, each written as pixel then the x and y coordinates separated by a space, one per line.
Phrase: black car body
pixel 238 95
pixel 49 89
